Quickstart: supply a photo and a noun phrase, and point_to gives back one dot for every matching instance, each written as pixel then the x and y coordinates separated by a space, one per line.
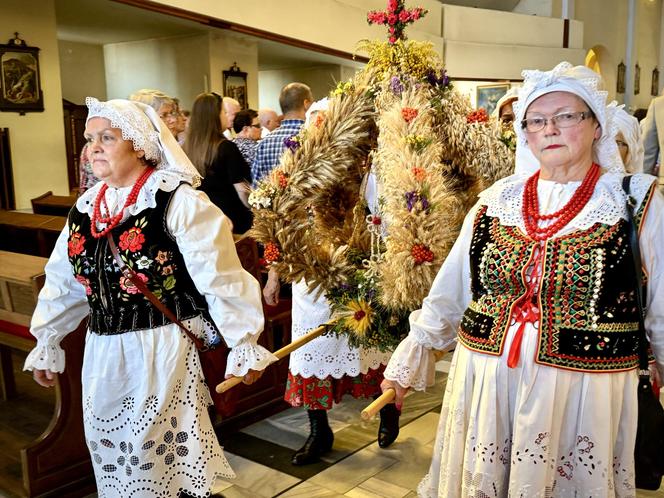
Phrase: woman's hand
pixel 44 378
pixel 271 289
pixel 250 377
pixel 400 392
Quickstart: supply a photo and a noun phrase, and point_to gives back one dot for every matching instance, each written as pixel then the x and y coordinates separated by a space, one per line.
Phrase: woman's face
pixel 555 146
pixel 623 148
pixel 113 159
pixel 169 114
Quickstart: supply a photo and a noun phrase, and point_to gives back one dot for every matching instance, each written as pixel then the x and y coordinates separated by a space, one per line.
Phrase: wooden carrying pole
pixel 387 397
pixel 280 353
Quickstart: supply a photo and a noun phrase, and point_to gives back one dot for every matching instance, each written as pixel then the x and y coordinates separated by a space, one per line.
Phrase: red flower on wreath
pixel 271 252
pixel 75 244
pixel 478 116
pixel 132 239
pixel 419 173
pixel 128 286
pixel 408 114
pixel 421 254
pixel 282 179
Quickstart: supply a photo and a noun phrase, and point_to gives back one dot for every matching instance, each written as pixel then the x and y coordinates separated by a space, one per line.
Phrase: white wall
pixel 78 59
pixel 542 8
pixel 178 66
pixel 37 139
pixel 227 48
pixel 321 80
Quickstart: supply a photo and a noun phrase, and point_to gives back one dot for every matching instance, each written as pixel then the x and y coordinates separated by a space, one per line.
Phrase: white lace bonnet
pixel 628 125
pixel 583 82
pixel 141 124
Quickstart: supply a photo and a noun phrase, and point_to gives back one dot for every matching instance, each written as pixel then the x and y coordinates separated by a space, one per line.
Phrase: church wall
pixel 37 138
pixel 321 79
pixel 543 8
pixel 77 59
pixel 227 48
pixel 472 60
pixel 606 26
pixel 178 66
pixel 336 24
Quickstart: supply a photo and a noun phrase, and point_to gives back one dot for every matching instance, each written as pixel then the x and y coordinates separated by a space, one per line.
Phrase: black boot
pixel 389 425
pixel 319 441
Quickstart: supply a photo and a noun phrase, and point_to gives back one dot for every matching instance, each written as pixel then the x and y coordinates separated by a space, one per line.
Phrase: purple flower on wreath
pixel 396 87
pixel 434 80
pixel 292 143
pixel 413 197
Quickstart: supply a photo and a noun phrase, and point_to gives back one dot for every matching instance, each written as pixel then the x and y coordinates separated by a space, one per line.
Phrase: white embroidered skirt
pixel 532 431
pixel 328 354
pixel 145 415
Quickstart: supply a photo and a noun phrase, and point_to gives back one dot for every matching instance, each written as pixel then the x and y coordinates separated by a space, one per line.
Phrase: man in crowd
pixel 231 107
pixel 247 130
pixel 294 99
pixel 652 129
pixel 269 121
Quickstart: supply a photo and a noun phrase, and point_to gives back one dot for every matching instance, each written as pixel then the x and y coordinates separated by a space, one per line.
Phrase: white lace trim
pixel 248 355
pixel 46 357
pixel 607 204
pixel 412 365
pixel 135 126
pixel 115 197
pixel 584 83
pixel 327 355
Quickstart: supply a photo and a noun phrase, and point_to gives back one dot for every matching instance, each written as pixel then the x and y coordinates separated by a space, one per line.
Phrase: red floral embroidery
pixel 128 286
pixel 132 239
pixel 85 283
pixel 75 244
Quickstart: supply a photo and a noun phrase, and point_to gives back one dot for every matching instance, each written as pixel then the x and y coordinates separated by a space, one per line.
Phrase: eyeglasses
pixel 172 114
pixel 562 120
pixel 622 144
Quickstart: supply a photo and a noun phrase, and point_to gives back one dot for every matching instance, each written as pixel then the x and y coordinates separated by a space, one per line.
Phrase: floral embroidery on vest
pixel 117 306
pixel 588 318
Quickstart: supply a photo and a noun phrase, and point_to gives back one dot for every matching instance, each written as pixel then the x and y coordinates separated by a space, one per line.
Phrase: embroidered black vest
pixel 587 301
pixel 144 243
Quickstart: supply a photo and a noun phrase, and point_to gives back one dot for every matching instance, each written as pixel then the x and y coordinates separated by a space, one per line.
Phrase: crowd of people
pixel 537 295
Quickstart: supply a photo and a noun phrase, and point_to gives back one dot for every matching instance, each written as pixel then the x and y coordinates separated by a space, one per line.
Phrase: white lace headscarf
pixel 628 125
pixel 140 123
pixel 584 83
pixel 510 95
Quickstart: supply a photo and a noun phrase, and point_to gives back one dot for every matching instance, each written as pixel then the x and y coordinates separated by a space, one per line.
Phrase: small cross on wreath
pixel 397 17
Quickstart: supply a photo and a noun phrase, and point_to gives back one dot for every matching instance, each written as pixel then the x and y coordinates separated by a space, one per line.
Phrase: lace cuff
pixel 46 357
pixel 412 365
pixel 248 355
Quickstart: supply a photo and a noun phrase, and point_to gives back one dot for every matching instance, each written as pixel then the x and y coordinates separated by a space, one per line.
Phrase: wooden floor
pixel 22 420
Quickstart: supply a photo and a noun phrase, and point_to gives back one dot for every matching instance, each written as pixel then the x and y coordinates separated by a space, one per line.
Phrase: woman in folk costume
pixel 144 396
pixel 325 369
pixel 629 141
pixel 541 395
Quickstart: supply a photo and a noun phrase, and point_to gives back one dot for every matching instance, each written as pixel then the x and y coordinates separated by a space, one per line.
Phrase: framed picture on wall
pixel 20 87
pixel 489 95
pixel 235 85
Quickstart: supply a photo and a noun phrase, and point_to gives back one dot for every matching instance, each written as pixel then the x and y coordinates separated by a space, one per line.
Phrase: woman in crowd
pixel 226 175
pixel 144 396
pixel 321 372
pixel 541 395
pixel 167 107
pixel 628 140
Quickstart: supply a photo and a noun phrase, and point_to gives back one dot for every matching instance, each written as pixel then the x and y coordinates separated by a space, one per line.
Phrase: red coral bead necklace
pixel 113 221
pixel 563 216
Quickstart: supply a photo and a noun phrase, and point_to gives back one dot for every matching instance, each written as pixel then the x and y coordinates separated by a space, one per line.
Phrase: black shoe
pixel 389 425
pixel 319 441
